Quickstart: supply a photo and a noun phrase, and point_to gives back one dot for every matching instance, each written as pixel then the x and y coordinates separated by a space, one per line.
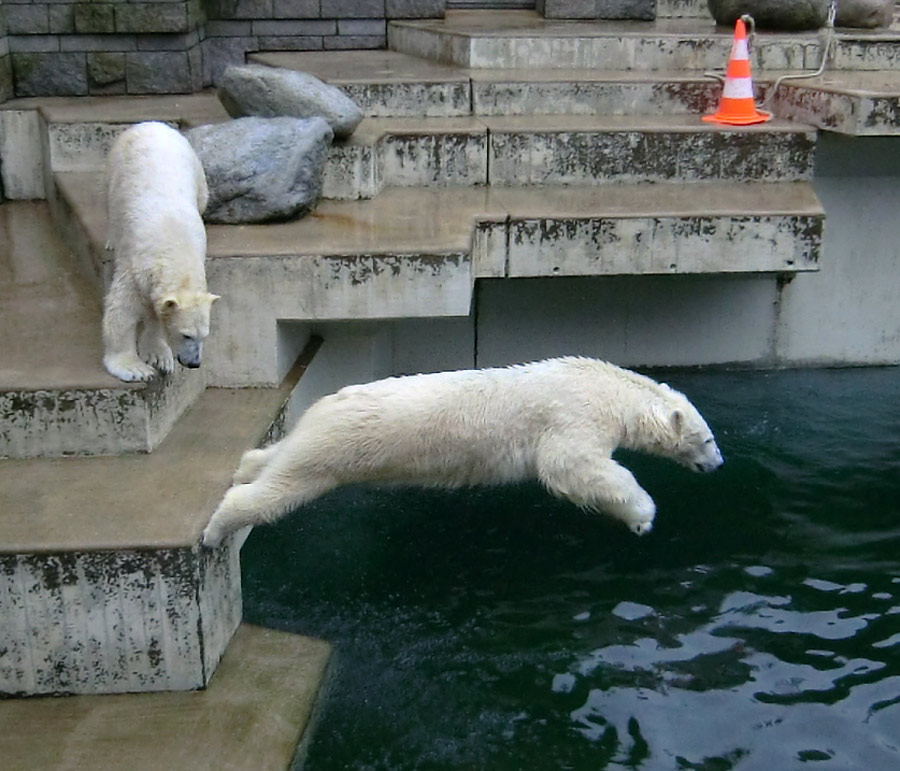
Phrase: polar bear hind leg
pixel 274 493
pixel 252 463
pixel 593 480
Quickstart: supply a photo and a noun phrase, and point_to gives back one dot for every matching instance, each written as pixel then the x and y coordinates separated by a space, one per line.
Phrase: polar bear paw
pixel 160 356
pixel 640 517
pixel 128 368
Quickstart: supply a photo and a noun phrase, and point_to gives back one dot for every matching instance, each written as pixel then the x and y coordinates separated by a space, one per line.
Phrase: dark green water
pixel 757 627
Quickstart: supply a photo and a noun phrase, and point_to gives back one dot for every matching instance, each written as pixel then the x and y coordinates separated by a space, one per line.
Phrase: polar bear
pixel 156 192
pixel 557 420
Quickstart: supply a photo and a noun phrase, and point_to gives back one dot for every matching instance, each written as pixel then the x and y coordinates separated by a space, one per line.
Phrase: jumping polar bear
pixel 156 192
pixel 557 420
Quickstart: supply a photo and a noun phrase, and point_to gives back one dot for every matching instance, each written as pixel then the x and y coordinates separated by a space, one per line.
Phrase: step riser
pixel 581 159
pixel 115 622
pixel 51 424
pixel 636 52
pixel 587 98
pixel 414 100
pixel 653 245
pixel 576 158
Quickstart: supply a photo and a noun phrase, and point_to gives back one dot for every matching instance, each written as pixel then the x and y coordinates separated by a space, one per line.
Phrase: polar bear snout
pixel 710 460
pixel 189 353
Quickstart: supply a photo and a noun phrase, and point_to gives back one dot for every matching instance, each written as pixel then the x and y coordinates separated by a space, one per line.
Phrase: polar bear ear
pixel 212 298
pixel 169 304
pixel 677 421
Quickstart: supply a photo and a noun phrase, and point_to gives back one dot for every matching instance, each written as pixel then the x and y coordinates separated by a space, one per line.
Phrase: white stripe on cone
pixel 739 50
pixel 738 88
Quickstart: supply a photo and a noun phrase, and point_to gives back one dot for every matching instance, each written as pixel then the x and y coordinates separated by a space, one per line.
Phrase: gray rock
pixel 772 14
pixel 270 92
pixel 262 169
pixel 864 13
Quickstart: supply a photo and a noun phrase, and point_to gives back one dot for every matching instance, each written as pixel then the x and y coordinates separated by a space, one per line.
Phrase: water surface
pixel 757 627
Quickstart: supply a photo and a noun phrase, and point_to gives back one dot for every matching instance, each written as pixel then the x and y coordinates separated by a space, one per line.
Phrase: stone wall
pixel 69 48
pixel 77 48
pixel 238 27
pixel 6 82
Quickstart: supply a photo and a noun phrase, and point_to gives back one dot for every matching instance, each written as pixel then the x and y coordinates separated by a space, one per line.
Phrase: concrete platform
pixel 252 715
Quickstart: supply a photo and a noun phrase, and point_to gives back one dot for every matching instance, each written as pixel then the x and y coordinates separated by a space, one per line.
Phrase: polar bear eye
pixel 188 338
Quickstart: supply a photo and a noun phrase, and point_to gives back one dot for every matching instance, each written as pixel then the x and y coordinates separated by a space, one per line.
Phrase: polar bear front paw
pixel 160 356
pixel 212 536
pixel 128 368
pixel 640 517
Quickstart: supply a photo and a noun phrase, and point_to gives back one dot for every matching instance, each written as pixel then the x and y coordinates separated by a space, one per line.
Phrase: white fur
pixel 557 420
pixel 156 192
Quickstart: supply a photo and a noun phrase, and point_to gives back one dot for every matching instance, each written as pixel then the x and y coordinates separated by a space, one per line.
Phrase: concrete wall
pixel 848 312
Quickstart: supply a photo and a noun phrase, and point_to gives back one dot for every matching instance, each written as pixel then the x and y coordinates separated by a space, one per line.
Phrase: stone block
pixel 365 27
pixel 105 69
pixel 284 28
pixel 50 74
pixel 97 43
pixel 597 9
pixel 414 9
pixel 295 9
pixel 158 72
pixel 228 29
pixel 61 19
pixel 239 9
pixel 296 43
pixel 33 43
pixel 94 18
pixel 168 42
pixel 27 20
pixel 350 42
pixel 219 53
pixel 6 79
pixel 148 18
pixel 352 9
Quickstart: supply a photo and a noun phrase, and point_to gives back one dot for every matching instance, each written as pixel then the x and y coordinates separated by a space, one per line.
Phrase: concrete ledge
pixel 504 40
pixel 254 713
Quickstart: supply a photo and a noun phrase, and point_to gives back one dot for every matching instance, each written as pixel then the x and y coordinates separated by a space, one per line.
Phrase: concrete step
pixel 254 713
pixel 562 150
pixel 682 9
pixel 391 84
pixel 103 586
pixel 523 39
pixel 416 252
pixel 55 397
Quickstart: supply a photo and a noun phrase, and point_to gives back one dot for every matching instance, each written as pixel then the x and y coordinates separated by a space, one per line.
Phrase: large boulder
pixel 865 13
pixel 262 169
pixel 270 92
pixel 772 14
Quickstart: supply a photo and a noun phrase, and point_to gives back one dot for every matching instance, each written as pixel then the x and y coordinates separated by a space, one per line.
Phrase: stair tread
pixel 161 500
pixel 49 314
pixel 435 220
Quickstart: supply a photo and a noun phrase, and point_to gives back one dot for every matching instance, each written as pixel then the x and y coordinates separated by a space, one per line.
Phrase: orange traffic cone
pixel 737 107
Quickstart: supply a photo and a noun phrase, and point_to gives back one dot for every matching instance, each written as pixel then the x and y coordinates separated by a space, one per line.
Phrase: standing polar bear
pixel 156 192
pixel 557 420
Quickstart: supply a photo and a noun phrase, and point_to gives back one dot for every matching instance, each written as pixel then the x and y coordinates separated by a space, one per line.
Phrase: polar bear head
pixel 682 434
pixel 185 319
